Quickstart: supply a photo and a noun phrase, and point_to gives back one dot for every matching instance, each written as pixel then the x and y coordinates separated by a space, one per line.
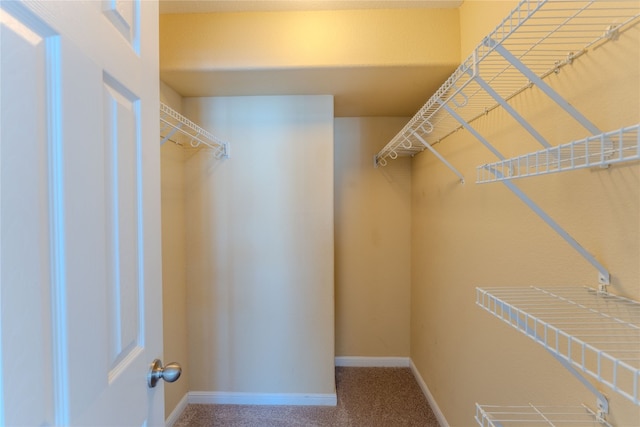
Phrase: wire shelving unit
pixel 598 333
pixel 596 151
pixel 182 131
pixel 591 333
pixel 538 38
pixel 531 415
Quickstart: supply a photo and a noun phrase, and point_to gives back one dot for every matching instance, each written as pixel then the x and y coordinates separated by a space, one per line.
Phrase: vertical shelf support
pixel 550 92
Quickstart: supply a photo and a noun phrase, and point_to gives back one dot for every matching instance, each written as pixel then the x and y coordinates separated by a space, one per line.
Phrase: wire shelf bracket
pixel 503 103
pixel 182 131
pixel 595 332
pixel 439 156
pixel 604 277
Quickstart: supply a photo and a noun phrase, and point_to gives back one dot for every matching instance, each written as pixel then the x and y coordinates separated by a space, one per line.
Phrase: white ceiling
pixel 208 6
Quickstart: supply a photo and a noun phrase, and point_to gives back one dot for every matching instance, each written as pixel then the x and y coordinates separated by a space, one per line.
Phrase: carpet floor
pixel 371 397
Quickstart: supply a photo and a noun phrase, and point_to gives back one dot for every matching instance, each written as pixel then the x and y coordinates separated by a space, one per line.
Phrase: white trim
pixel 373 362
pixel 177 411
pixel 239 398
pixel 432 401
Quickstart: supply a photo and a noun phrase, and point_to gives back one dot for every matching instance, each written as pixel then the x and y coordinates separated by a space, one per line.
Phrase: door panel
pixel 24 228
pixel 79 193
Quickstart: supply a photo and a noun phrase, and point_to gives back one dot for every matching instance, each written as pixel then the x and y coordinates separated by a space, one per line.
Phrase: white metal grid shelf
pixel 530 415
pixel 542 34
pixel 182 131
pixel 598 333
pixel 619 146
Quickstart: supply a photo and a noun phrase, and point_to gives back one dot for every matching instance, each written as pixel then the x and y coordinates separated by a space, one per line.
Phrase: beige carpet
pixel 366 397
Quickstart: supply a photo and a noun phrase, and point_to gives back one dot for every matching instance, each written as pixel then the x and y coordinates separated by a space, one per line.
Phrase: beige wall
pixel 479 18
pixel 468 235
pixel 174 275
pixel 170 97
pixel 260 246
pixel 372 232
pixel 405 54
pixel 300 39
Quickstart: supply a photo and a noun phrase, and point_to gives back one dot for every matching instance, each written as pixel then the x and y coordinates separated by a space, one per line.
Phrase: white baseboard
pixel 432 401
pixel 236 398
pixel 177 411
pixel 373 362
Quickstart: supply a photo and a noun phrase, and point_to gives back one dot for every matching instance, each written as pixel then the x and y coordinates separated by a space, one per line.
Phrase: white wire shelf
pixel 544 35
pixel 182 131
pixel 598 333
pixel 602 150
pixel 530 415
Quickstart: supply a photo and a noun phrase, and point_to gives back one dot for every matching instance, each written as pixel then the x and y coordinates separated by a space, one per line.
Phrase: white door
pixel 80 285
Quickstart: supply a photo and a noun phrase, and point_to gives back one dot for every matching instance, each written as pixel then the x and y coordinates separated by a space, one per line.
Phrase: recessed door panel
pixel 122 146
pixel 123 14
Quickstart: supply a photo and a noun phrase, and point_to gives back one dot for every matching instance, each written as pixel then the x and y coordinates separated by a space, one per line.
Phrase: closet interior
pixel 520 108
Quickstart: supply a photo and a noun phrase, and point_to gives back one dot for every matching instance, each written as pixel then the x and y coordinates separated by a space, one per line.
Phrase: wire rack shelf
pixel 544 35
pixel 598 333
pixel 602 150
pixel 182 131
pixel 531 415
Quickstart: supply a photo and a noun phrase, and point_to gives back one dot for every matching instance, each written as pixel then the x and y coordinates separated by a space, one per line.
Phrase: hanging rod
pixel 182 131
pixel 542 36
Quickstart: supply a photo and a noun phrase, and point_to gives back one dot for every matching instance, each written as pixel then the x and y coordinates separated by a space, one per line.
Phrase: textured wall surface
pixel 373 241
